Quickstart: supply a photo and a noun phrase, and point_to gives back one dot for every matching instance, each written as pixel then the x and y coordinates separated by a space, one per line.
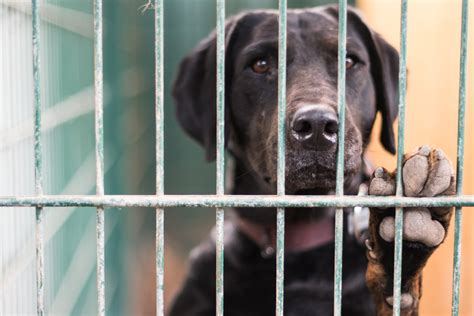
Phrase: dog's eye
pixel 351 61
pixel 261 66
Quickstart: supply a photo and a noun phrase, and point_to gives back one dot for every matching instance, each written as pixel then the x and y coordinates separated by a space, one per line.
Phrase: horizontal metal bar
pixel 165 201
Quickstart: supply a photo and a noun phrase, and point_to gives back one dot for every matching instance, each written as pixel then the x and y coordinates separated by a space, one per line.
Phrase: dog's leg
pixel 426 173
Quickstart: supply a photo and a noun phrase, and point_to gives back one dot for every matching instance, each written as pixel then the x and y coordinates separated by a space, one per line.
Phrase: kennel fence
pixel 160 201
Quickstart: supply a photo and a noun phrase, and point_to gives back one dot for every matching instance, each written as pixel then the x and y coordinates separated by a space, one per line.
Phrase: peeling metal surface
pixel 220 262
pixel 159 121
pixel 280 231
pixel 397 275
pixel 341 108
pixel 460 159
pixel 38 158
pixel 220 153
pixel 280 261
pixel 213 201
pixel 99 139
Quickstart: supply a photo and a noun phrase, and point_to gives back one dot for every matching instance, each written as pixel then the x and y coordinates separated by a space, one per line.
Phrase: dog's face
pixel 312 122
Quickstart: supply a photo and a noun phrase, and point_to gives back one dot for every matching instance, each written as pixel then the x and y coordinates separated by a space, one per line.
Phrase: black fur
pixel 251 137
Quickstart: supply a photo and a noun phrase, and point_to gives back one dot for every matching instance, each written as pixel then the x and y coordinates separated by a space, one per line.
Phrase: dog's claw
pixel 382 183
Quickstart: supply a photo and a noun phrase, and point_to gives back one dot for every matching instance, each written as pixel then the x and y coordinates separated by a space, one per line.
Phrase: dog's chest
pixel 250 281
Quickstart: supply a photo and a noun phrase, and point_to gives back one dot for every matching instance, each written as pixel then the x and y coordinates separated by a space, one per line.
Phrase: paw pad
pixel 427 173
pixel 406 300
pixel 382 183
pixel 418 226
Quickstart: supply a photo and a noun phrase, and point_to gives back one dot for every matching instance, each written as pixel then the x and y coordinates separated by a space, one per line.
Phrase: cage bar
pixel 38 159
pixel 99 153
pixel 460 160
pixel 280 223
pixel 159 121
pixel 213 201
pixel 341 109
pixel 397 275
pixel 220 155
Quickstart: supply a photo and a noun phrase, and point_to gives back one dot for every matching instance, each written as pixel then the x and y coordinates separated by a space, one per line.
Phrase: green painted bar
pixel 280 233
pixel 341 108
pixel 280 262
pixel 220 154
pixel 400 151
pixel 38 159
pixel 159 121
pixel 99 138
pixel 460 159
pixel 213 201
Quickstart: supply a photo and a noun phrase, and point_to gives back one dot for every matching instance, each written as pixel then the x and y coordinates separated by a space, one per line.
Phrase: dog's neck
pixel 302 231
pixel 259 225
pixel 299 236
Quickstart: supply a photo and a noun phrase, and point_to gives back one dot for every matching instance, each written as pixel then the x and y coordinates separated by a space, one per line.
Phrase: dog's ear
pixel 384 62
pixel 194 91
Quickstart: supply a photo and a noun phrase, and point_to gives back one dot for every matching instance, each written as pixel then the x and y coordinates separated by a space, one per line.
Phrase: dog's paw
pixel 426 173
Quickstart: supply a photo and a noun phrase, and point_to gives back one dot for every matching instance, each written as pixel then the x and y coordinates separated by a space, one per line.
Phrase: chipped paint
pixel 38 158
pixel 460 160
pixel 99 150
pixel 220 153
pixel 397 275
pixel 341 108
pixel 159 122
pixel 213 201
pixel 280 237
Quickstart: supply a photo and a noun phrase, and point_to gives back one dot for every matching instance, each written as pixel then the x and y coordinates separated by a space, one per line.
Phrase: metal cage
pixel 160 201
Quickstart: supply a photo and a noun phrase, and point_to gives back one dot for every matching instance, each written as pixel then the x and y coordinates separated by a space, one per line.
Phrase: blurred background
pixel 69 160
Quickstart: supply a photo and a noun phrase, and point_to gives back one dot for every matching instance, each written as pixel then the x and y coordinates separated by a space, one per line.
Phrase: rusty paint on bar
pixel 213 201
pixel 159 121
pixel 397 276
pixel 280 231
pixel 38 158
pixel 460 160
pixel 341 108
pixel 99 139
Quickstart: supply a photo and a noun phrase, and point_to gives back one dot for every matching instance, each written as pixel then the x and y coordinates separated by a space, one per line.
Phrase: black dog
pixel 311 142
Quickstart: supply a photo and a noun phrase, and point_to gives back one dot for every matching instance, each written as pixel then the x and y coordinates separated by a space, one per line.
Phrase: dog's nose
pixel 315 126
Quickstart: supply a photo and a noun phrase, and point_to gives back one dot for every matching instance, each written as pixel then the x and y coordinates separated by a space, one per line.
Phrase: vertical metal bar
pixel 280 233
pixel 159 121
pixel 460 159
pixel 401 148
pixel 99 153
pixel 341 108
pixel 220 156
pixel 38 159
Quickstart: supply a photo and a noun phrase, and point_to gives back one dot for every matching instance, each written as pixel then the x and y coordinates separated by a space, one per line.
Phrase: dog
pixel 251 75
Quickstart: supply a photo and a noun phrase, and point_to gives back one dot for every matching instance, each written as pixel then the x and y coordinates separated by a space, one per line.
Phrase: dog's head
pixel 251 73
